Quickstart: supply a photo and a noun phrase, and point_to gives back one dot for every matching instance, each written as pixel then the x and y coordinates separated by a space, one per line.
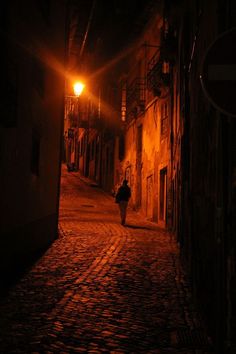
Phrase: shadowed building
pixel 31 122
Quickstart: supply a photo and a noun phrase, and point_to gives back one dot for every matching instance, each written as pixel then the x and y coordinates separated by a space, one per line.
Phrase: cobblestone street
pixel 102 287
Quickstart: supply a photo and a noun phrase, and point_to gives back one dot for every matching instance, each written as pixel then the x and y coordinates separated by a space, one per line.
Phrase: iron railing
pixel 135 101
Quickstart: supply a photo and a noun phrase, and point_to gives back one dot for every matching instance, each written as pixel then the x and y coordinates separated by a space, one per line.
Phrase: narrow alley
pixel 102 287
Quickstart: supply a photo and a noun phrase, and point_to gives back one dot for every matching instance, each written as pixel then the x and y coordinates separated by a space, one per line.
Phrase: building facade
pixel 207 182
pixel 31 127
pixel 146 115
pixel 176 149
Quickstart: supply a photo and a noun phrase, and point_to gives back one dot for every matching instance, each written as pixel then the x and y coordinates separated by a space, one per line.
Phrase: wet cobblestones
pixel 101 287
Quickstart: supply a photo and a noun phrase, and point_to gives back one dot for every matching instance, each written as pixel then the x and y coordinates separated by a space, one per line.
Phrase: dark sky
pixel 107 26
pixel 117 21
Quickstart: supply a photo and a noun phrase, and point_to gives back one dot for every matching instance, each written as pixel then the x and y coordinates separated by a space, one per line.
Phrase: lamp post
pixel 78 88
pixel 72 110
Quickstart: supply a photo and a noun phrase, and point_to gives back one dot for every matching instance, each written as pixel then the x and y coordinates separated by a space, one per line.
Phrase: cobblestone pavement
pixel 102 287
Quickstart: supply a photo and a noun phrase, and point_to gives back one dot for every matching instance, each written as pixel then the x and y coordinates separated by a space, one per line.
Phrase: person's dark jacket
pixel 124 193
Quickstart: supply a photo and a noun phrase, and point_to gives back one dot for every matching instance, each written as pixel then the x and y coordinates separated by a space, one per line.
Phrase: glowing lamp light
pixel 78 88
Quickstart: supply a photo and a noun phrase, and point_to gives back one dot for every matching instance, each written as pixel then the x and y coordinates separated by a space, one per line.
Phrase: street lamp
pixel 78 88
pixel 72 113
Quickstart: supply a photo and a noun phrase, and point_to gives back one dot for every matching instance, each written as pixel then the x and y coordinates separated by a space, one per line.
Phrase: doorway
pixel 163 195
pixel 149 211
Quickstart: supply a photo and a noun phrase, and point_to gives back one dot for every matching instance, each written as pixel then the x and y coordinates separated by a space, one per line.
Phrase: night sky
pixel 110 25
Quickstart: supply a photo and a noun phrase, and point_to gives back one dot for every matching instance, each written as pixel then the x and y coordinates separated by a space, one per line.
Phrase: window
pixel 163 193
pixel 164 118
pixel 123 103
pixel 121 147
pixel 139 139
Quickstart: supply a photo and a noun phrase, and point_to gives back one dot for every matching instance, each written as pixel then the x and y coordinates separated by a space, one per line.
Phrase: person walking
pixel 122 198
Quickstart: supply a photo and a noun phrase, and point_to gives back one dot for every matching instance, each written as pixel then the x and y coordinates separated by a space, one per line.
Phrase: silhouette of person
pixel 122 198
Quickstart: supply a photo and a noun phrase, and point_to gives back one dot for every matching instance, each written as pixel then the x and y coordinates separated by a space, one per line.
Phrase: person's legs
pixel 121 210
pixel 123 207
pixel 124 213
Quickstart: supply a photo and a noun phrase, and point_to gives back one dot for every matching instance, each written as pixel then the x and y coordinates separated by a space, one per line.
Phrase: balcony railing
pixel 158 75
pixel 78 120
pixel 158 71
pixel 135 102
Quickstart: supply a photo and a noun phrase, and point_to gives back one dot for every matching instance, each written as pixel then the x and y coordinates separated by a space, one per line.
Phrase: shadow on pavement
pixel 137 227
pixel 20 267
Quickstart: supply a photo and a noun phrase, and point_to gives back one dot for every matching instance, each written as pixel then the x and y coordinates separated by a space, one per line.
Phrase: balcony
pixel 78 120
pixel 135 97
pixel 96 123
pixel 159 66
pixel 73 119
pixel 158 76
